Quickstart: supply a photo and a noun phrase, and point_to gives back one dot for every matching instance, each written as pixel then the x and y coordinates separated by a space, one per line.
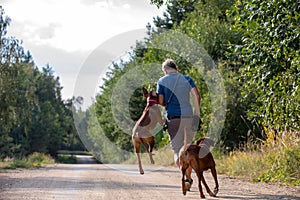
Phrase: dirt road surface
pixel 110 182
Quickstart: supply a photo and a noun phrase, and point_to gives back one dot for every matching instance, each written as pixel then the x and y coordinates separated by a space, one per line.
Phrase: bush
pixel 66 159
pixel 34 160
pixel 38 159
pixel 271 161
pixel 17 163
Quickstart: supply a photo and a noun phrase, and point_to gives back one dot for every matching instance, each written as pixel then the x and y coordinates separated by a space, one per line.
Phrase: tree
pixel 269 58
pixel 207 24
pixel 11 49
pixel 33 116
pixel 16 93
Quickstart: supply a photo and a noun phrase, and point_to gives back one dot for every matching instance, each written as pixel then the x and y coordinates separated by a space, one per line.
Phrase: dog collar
pixel 151 101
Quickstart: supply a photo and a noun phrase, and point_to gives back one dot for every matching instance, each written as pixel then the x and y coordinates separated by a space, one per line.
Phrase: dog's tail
pixel 185 140
pixel 144 145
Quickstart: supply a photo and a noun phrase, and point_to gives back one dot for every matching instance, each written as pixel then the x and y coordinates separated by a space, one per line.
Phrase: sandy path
pixel 96 181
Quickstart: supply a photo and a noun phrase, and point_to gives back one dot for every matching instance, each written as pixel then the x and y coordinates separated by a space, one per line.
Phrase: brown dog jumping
pixel 199 158
pixel 141 132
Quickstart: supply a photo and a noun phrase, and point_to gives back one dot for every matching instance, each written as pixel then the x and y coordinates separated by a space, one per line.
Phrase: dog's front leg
pixel 137 151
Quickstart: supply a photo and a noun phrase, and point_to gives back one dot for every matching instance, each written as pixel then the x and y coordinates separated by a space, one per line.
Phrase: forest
pixel 243 55
pixel 33 115
pixel 255 47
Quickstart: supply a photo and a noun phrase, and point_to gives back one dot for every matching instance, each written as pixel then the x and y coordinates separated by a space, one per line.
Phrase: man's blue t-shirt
pixel 179 104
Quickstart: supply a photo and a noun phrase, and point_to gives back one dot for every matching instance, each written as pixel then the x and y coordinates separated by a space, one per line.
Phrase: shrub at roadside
pixel 66 159
pixel 34 160
pixel 271 161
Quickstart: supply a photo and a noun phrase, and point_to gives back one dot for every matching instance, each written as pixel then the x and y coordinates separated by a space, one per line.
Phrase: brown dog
pixel 141 132
pixel 199 158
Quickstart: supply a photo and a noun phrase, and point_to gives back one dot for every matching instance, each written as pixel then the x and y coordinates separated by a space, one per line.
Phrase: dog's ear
pixel 145 92
pixel 209 142
pixel 200 141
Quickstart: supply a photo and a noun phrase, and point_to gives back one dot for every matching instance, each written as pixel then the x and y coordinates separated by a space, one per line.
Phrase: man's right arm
pixel 197 99
pixel 161 100
pixel 160 94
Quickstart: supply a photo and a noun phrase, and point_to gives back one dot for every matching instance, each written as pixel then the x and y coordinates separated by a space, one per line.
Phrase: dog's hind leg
pixel 151 146
pixel 149 149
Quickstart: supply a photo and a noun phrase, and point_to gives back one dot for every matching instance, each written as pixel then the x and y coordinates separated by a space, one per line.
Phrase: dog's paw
pixel 216 190
pixel 141 171
pixel 212 194
pixel 188 185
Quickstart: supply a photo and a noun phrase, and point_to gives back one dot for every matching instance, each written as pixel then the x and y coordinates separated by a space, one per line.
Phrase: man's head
pixel 169 66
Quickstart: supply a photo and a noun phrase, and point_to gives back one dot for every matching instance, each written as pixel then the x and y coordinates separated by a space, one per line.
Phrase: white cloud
pixel 72 25
pixel 63 33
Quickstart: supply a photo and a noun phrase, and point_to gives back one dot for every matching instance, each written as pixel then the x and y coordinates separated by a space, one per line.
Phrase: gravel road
pixel 110 182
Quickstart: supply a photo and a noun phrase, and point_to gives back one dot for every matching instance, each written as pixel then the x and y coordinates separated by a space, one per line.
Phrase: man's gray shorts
pixel 176 128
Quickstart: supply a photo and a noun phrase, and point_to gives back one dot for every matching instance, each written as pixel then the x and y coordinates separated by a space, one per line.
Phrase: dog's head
pixel 151 96
pixel 204 145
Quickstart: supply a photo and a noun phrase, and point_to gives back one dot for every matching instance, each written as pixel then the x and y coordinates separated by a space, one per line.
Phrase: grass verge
pixel 271 161
pixel 267 161
pixel 66 159
pixel 34 160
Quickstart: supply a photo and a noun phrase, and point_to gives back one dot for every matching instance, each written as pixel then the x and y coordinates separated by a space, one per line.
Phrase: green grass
pixel 266 161
pixel 269 162
pixel 66 159
pixel 34 160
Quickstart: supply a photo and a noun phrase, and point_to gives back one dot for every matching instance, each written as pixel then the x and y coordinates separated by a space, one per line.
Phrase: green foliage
pixel 37 159
pixel 18 98
pixel 66 159
pixel 285 167
pixel 255 46
pixel 101 143
pixel 33 116
pixel 176 11
pixel 208 25
pixel 34 160
pixel 269 58
pixel 11 48
pixel 18 163
pixel 268 162
pixel 191 61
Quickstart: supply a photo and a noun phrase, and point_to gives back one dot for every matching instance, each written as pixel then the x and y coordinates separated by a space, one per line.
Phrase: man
pixel 174 93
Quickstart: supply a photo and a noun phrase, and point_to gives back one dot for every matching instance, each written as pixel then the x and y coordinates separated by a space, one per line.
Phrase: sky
pixel 64 33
